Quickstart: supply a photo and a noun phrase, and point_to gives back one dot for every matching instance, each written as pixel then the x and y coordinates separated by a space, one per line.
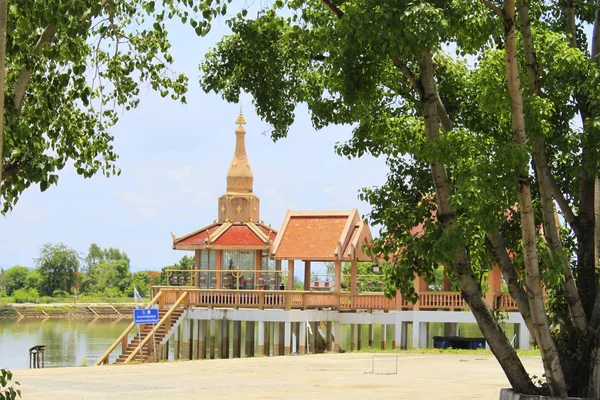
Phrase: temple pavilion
pixel 238 301
pixel 238 242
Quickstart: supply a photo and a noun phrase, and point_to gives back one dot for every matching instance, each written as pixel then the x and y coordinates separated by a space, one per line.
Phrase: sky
pixel 174 159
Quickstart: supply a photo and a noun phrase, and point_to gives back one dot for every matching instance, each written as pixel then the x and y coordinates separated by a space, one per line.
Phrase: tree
pixel 7 388
pixel 107 272
pixel 15 278
pixel 477 163
pixel 186 263
pixel 67 68
pixel 57 266
pixel 367 280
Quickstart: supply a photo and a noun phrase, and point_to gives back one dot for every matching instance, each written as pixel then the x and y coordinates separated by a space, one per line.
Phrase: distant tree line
pixel 60 271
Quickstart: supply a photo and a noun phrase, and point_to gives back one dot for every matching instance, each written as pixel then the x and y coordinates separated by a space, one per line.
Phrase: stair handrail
pixel 104 358
pixel 156 327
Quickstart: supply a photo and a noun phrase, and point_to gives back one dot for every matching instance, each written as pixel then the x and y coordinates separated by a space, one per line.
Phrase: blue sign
pixel 145 316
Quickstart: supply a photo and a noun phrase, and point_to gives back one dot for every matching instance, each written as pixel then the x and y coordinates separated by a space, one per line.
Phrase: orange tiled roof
pixel 238 235
pixel 227 234
pixel 201 237
pixel 322 236
pixel 312 237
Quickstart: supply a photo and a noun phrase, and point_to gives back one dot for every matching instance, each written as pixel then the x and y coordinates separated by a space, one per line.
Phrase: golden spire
pixel 241 120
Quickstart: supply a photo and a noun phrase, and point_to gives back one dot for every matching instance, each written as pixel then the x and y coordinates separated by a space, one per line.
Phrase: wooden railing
pixel 441 300
pixel 506 302
pixel 124 336
pixel 165 320
pixel 296 299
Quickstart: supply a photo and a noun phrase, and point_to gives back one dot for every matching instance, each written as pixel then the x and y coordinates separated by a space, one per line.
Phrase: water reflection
pixel 69 342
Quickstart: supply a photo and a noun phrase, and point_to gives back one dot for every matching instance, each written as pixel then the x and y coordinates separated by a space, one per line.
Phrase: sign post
pixel 146 316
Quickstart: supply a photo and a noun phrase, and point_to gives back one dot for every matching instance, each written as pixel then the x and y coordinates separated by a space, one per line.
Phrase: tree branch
pixel 9 170
pixel 495 243
pixel 494 8
pixel 333 8
pixel 564 205
pixel 25 74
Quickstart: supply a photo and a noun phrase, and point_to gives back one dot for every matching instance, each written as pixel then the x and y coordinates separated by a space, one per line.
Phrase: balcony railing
pixel 293 299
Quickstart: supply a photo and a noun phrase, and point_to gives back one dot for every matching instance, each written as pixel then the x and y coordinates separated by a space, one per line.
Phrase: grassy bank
pixel 69 300
pixel 532 352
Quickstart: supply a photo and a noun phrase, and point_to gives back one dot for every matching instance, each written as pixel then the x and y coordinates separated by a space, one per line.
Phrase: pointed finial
pixel 241 120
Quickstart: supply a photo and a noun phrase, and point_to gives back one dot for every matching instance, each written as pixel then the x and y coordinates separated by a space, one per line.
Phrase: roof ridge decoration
pixel 256 230
pixel 197 231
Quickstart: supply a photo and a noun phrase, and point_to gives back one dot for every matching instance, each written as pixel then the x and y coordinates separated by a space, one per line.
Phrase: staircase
pixel 146 330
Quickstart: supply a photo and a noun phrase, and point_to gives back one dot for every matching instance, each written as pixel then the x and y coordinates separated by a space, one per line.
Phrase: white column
pixel 524 336
pixel 423 335
pixel 261 338
pixel 416 333
pixel 276 339
pixel 302 338
pixel 398 335
pixel 287 338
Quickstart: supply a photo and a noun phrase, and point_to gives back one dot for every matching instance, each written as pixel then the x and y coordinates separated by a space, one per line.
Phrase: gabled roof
pixel 224 235
pixel 322 236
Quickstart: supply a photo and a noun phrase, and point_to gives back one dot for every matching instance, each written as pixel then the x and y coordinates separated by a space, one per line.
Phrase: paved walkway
pixel 325 376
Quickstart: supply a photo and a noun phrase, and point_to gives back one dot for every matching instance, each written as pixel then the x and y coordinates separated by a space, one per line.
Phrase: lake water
pixel 69 342
pixel 78 342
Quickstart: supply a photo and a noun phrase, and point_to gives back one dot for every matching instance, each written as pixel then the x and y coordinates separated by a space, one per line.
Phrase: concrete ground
pixel 325 376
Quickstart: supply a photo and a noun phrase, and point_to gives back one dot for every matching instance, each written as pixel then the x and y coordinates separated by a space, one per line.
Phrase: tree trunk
pixel 544 181
pixel 548 349
pixel 3 23
pixel 495 243
pixel 471 291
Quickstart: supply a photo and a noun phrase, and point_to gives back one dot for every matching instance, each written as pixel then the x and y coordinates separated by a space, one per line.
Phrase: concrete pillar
pixel 166 350
pixel 237 332
pixel 202 340
pixel 297 326
pixel 267 338
pixel 423 335
pixel 352 337
pixel 416 334
pixel 186 347
pixel 336 336
pixel 287 338
pixel 177 347
pixel 397 331
pixel 328 337
pixel 213 327
pixel 249 342
pixel 282 342
pixel 226 341
pixel 290 285
pixel 404 329
pixel 383 337
pixel 359 329
pixel 276 338
pixel 523 335
pixel 450 329
pixel 307 275
pixel 195 338
pixel 261 338
pixel 371 335
pixel 302 338
pixel 315 336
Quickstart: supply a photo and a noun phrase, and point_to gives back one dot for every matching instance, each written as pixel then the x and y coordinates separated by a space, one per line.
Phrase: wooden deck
pixel 301 300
